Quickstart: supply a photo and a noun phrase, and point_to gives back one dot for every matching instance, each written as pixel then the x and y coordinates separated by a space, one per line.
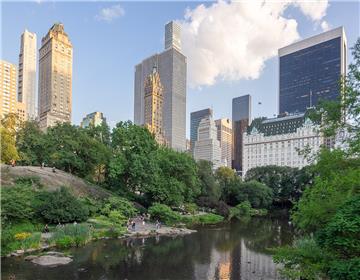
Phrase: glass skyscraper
pixel 310 70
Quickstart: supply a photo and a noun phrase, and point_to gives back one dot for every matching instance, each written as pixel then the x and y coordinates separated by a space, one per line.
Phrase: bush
pixel 9 243
pixel 190 208
pixel 94 206
pixel 205 219
pixel 163 213
pixel 28 180
pixel 60 207
pixel 117 218
pixel 17 203
pixel 241 210
pixel 223 209
pixel 122 205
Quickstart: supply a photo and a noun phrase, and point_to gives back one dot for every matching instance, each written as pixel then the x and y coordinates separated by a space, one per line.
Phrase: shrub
pixel 163 213
pixel 60 207
pixel 117 218
pixel 241 210
pixel 190 208
pixel 223 209
pixel 94 206
pixel 210 219
pixel 124 206
pixel 17 203
pixel 65 242
pixel 28 180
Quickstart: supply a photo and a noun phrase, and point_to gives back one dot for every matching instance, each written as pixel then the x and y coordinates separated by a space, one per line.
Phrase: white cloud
pixel 111 13
pixel 315 9
pixel 325 26
pixel 232 40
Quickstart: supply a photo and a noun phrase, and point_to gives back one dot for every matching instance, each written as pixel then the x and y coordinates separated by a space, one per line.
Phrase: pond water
pixel 230 251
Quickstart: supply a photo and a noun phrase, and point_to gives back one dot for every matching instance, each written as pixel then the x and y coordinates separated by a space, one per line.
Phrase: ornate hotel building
pixel 55 77
pixel 153 106
pixel 277 141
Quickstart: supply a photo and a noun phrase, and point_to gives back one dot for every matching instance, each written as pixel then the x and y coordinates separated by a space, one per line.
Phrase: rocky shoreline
pixel 56 258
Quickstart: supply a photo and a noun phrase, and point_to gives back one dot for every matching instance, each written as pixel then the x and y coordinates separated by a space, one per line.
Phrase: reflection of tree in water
pixel 262 233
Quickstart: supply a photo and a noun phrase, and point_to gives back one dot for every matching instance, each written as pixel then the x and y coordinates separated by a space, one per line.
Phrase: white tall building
pixel 277 141
pixel 27 74
pixel 225 136
pixel 207 146
pixel 172 36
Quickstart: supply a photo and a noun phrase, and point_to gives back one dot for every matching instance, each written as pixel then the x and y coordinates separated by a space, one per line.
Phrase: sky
pixel 231 47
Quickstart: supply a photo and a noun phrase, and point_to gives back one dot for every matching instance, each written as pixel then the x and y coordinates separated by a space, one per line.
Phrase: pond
pixel 230 251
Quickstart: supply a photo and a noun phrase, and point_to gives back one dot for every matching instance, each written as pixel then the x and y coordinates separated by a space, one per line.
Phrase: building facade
pixel 225 137
pixel 241 118
pixel 171 66
pixel 27 74
pixel 55 77
pixel 8 100
pixel 195 118
pixel 278 141
pixel 93 119
pixel 207 146
pixel 154 103
pixel 310 70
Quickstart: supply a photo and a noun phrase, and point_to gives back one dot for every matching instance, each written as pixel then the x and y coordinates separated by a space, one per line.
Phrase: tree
pixel 258 194
pixel 8 132
pixel 30 144
pixel 286 182
pixel 60 207
pixel 209 186
pixel 133 165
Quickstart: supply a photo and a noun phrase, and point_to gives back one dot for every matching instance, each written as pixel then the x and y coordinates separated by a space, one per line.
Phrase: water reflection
pixel 236 251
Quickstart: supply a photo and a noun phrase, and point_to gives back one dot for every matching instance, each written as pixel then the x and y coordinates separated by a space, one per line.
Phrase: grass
pixel 71 235
pixel 205 219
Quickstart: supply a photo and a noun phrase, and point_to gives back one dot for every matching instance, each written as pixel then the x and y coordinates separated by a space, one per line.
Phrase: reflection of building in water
pixel 256 265
pixel 240 263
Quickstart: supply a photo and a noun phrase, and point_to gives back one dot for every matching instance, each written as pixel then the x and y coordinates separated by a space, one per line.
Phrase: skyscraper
pixel 241 118
pixel 172 36
pixel 310 70
pixel 8 101
pixel 154 101
pixel 225 137
pixel 55 77
pixel 171 66
pixel 27 74
pixel 207 147
pixel 95 119
pixel 195 118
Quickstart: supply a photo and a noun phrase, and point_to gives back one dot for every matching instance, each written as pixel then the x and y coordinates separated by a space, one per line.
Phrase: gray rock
pixel 51 260
pixel 30 258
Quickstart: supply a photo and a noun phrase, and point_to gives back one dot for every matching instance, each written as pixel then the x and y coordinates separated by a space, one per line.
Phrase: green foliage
pixel 71 235
pixel 60 207
pixel 209 185
pixel 191 208
pixel 164 214
pixel 305 259
pixel 259 195
pixel 30 142
pixel 8 232
pixel 7 143
pixel 203 219
pixel 241 210
pixel 345 269
pixel 28 180
pixel 117 218
pixel 286 182
pixel 94 206
pixel 337 179
pixel 17 203
pixel 122 205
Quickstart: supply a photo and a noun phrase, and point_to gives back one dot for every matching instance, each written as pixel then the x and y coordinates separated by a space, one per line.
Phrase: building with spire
pixel 55 77
pixel 27 74
pixel 171 67
pixel 153 106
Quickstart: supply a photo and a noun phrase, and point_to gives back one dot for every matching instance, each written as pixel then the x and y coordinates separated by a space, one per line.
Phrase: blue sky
pixel 109 43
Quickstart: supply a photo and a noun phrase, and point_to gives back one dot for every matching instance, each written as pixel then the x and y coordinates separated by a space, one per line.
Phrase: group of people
pixel 131 224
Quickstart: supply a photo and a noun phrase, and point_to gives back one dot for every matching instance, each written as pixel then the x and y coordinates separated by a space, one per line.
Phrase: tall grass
pixel 71 235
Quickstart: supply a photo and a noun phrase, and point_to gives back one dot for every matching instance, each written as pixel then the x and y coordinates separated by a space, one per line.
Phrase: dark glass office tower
pixel 195 118
pixel 310 70
pixel 241 118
